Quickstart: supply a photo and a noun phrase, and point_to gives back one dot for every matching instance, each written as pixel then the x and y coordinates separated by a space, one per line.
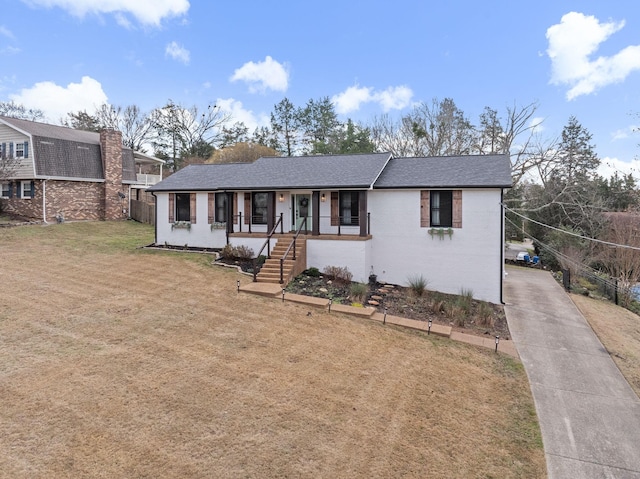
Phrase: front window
pixel 19 150
pixel 27 190
pixel 6 190
pixel 183 207
pixel 349 208
pixel 441 208
pixel 259 208
pixel 221 207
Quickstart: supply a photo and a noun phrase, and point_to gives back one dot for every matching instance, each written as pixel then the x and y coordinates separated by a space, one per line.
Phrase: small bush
pixel 418 284
pixel 243 252
pixel 236 252
pixel 359 292
pixel 465 300
pixel 485 314
pixel 313 272
pixel 339 274
pixel 438 306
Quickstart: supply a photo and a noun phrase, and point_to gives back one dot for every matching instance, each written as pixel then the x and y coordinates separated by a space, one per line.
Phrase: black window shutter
pixel 4 150
pixel 10 189
pixel 26 149
pixel 11 150
pixel 33 188
pixel 18 189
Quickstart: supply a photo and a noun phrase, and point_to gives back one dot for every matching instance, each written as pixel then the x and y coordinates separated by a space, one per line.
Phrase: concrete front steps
pixel 270 271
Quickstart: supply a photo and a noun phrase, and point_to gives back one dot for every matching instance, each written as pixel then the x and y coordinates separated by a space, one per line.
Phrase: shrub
pixel 236 252
pixel 244 252
pixel 339 274
pixel 418 284
pixel 359 292
pixel 485 314
pixel 465 300
pixel 313 272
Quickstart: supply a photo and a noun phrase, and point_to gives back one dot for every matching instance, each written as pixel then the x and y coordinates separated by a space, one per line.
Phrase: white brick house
pixel 439 217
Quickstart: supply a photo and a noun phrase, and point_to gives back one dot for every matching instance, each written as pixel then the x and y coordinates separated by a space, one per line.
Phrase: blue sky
pixel 578 58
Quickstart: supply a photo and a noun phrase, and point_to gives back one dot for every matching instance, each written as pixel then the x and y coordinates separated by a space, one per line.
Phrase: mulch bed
pixel 396 300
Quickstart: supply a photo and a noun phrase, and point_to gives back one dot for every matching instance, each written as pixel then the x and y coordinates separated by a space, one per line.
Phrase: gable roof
pixel 471 171
pixel 46 130
pixel 62 152
pixel 375 170
pixel 277 173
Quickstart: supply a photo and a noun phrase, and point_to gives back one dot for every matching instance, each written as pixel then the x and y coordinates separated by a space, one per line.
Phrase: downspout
pixel 44 201
pixel 502 267
pixel 155 221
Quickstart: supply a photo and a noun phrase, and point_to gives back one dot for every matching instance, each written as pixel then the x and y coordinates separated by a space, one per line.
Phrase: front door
pixel 301 209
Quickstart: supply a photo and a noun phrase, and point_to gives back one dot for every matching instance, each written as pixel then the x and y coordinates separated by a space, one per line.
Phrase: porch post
pixel 315 211
pixel 362 214
pixel 271 210
pixel 230 218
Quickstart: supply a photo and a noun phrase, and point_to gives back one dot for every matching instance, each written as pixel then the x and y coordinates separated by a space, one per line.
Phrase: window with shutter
pixel 172 202
pixel 441 208
pixel 335 208
pixel 192 208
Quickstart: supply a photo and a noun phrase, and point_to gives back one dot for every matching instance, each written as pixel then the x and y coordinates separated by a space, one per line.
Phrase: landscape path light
pixel 497 341
pixel 429 327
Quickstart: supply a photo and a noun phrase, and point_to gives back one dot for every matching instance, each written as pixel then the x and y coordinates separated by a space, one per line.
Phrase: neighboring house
pixel 72 174
pixel 439 217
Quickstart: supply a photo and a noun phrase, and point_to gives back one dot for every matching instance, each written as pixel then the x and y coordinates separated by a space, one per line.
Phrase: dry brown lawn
pixel 120 362
pixel 619 332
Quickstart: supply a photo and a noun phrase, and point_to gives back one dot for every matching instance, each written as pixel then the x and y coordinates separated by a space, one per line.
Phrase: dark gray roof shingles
pixel 471 171
pixel 273 173
pixel 345 171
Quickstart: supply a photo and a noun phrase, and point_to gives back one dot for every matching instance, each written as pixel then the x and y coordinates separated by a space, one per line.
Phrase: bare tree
pixel 17 110
pixel 136 126
pixel 181 131
pixel 620 262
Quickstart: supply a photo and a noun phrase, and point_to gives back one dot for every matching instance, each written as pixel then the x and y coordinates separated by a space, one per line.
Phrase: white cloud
pixel 178 53
pixel 609 166
pixel 536 124
pixel 393 98
pixel 262 76
pixel 571 44
pixel 56 101
pixel 625 133
pixel 10 51
pixel 147 12
pixel 5 32
pixel 239 113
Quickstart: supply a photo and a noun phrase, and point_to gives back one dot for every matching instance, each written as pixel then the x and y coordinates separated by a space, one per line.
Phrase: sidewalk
pixel 589 415
pixel 275 291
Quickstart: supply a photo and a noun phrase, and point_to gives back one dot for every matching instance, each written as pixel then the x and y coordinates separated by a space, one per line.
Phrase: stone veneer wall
pixel 115 206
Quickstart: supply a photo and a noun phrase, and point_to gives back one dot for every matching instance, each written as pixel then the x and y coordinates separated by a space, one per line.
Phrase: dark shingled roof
pixel 345 171
pixel 472 171
pixel 273 173
pixel 53 131
pixel 67 153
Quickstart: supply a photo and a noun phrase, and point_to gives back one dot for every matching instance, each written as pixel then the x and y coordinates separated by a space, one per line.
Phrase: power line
pixel 608 243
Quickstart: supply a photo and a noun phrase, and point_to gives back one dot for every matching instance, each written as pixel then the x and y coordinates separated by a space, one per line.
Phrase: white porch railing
pixel 148 180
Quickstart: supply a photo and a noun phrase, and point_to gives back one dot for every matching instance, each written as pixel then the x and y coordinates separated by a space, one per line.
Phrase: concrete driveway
pixel 589 415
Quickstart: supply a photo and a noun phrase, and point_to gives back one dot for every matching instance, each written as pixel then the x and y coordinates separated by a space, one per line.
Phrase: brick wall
pixel 115 205
pixel 74 200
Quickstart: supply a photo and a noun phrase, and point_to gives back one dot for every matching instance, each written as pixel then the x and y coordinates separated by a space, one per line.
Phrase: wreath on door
pixel 304 202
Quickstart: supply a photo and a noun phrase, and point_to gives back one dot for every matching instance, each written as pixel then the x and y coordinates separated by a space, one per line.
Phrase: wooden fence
pixel 143 212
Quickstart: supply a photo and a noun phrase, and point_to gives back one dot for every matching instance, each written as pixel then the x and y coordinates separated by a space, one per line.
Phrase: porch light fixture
pixel 323 198
pixel 281 197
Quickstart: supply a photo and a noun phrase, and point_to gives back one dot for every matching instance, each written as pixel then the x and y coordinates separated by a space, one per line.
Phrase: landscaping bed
pixel 461 312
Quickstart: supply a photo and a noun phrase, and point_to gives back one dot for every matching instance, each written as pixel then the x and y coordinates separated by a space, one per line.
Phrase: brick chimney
pixel 116 194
